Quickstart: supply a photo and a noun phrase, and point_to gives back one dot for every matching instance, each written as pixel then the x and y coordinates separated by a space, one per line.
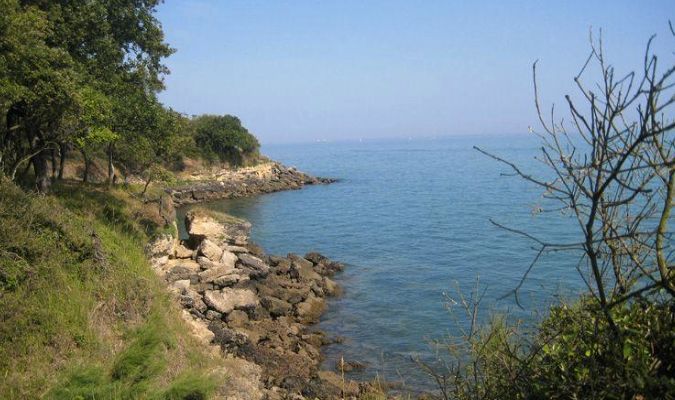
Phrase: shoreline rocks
pixel 255 308
pixel 228 184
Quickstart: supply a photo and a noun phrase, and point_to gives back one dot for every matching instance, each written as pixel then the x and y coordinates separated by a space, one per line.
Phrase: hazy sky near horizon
pixel 341 70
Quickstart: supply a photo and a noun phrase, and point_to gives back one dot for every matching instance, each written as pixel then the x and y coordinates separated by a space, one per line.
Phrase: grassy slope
pixel 75 327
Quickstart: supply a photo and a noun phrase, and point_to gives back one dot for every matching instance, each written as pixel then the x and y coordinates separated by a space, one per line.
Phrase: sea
pixel 417 224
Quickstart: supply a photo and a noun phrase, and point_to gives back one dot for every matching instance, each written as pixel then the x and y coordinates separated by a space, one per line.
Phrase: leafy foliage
pixel 79 72
pixel 224 138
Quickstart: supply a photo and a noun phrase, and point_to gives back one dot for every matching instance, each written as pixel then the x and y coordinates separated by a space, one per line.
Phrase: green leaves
pixel 84 72
pixel 224 138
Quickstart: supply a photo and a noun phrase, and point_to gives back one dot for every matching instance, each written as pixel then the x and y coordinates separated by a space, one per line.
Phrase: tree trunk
pixel 41 172
pixel 63 149
pixel 145 188
pixel 87 164
pixel 52 154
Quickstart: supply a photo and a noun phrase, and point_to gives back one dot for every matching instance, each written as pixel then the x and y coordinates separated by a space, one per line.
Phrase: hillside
pixel 83 314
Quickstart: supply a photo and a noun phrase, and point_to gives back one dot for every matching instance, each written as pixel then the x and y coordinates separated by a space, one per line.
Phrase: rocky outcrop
pixel 227 184
pixel 257 309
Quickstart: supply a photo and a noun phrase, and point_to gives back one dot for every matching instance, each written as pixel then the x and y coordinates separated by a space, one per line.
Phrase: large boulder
pixel 210 250
pixel 228 299
pixel 220 228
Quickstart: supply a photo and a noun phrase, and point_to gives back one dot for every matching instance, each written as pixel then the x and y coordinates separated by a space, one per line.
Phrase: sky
pixel 301 71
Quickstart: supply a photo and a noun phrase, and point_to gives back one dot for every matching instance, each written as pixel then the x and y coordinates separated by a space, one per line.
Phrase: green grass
pixel 77 328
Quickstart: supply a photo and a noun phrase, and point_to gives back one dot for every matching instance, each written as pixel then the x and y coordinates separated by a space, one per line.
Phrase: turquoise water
pixel 411 220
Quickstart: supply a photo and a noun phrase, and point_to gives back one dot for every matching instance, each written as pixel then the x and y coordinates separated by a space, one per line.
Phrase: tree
pixel 612 169
pixel 37 85
pixel 50 49
pixel 224 138
pixel 616 176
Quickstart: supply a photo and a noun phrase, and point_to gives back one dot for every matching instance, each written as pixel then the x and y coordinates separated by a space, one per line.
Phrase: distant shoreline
pixel 267 177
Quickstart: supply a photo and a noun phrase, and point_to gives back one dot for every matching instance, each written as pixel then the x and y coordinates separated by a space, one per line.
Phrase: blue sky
pixel 342 70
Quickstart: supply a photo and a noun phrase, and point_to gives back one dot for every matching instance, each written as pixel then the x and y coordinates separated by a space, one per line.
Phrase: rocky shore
pixel 267 177
pixel 256 310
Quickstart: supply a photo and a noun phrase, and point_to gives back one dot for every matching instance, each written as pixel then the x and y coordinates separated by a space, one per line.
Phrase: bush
pixel 572 354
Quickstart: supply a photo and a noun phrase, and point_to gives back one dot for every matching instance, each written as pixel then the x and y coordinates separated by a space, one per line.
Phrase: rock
pixel 238 233
pixel 317 290
pixel 162 245
pixel 237 318
pixel 229 280
pixel 283 265
pixel 331 288
pixel 228 299
pixel 254 263
pixel 228 258
pixel 182 269
pixel 310 310
pixel 159 264
pixel 244 380
pixel 276 306
pixel 213 315
pixel 210 250
pixel 296 259
pixel 303 270
pixel 203 287
pixel 228 339
pixel 236 249
pixel 181 284
pixel 259 313
pixel 316 339
pixel 167 211
pixel 205 263
pixel 202 226
pixel 198 328
pixel 192 299
pixel 348 366
pixel 295 297
pixel 315 258
pixel 183 252
pixel 255 250
pixel 210 275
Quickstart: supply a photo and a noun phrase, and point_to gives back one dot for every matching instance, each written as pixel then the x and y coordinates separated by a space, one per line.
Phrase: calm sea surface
pixel 410 218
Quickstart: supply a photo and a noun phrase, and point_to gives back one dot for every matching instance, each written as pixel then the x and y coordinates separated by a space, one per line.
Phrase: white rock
pixel 210 250
pixel 228 258
pixel 214 273
pixel 198 328
pixel 182 284
pixel 183 252
pixel 227 299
